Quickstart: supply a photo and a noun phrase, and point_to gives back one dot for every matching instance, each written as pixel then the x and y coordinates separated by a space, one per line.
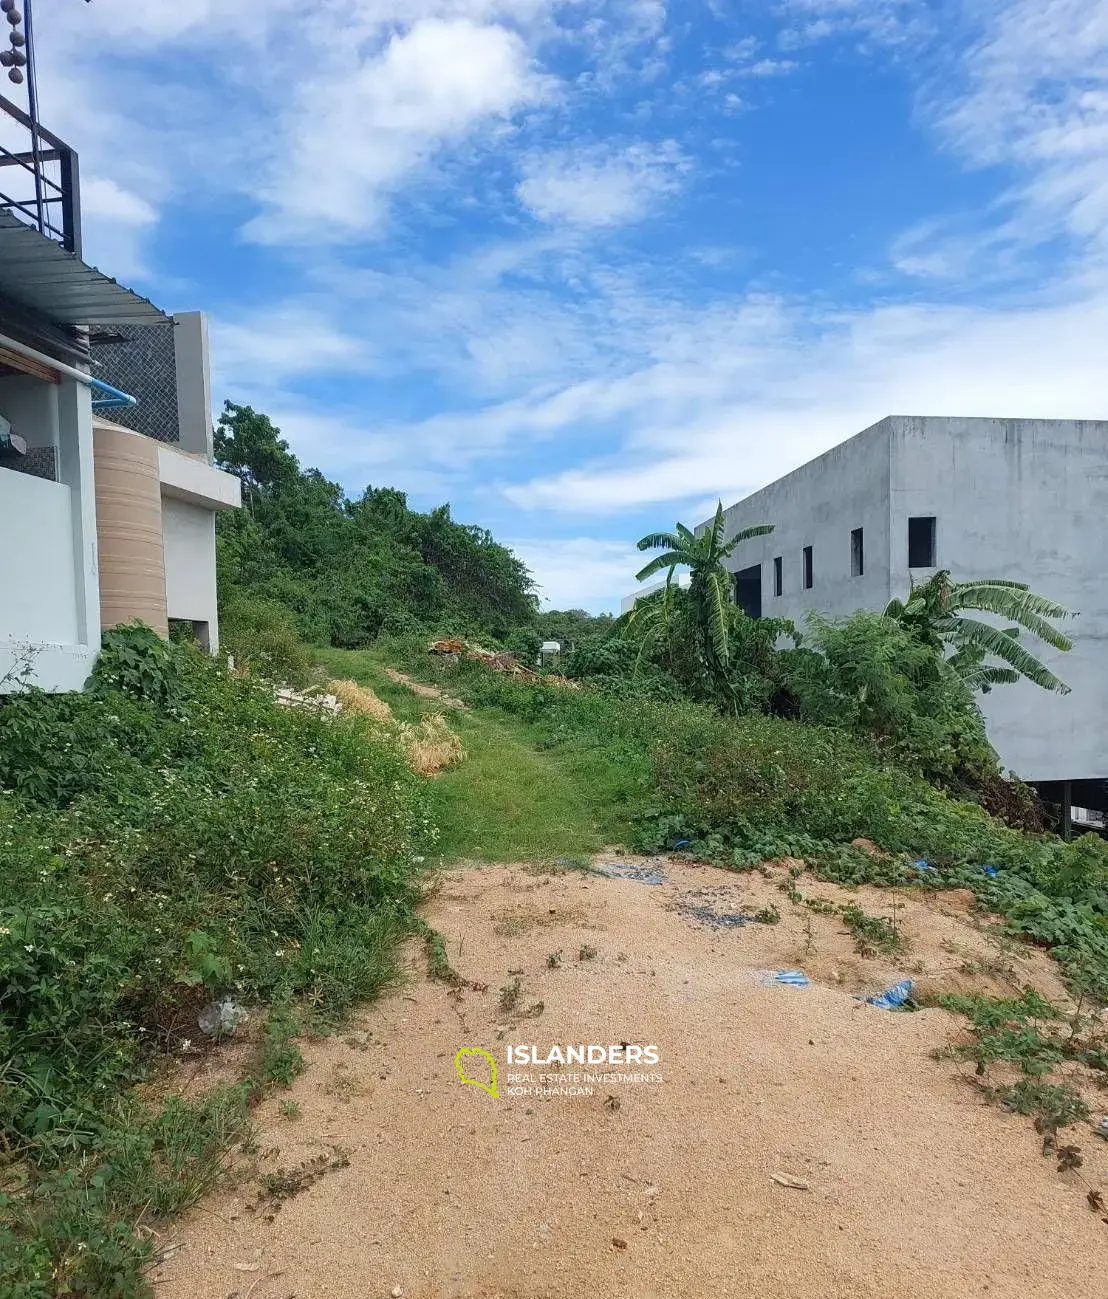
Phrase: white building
pixel 629 601
pixel 1020 499
pixel 100 521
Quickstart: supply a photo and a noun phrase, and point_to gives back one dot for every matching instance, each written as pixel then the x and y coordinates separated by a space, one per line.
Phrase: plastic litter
pixel 794 977
pixel 922 865
pixel 222 1016
pixel 892 998
pixel 1101 1128
pixel 681 843
pixel 991 871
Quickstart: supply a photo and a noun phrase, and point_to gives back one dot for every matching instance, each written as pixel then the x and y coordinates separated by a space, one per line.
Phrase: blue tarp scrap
pixel 892 998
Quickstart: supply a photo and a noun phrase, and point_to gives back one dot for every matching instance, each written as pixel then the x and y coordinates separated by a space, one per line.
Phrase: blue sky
pixel 579 267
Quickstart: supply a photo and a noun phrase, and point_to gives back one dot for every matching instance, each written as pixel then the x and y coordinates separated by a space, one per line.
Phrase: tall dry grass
pixel 360 699
pixel 430 746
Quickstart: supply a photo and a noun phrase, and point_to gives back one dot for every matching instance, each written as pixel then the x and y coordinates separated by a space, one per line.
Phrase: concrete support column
pixel 75 470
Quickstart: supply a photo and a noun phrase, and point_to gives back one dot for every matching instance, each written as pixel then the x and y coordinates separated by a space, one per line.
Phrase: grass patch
pixel 282 1061
pixel 1039 1039
pixel 871 934
pixel 514 924
pixel 285 1184
pixel 514 798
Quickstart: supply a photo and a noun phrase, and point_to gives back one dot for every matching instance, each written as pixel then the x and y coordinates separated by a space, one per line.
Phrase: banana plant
pixel 936 613
pixel 710 586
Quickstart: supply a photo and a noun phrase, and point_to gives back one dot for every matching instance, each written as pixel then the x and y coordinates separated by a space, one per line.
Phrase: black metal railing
pixel 40 183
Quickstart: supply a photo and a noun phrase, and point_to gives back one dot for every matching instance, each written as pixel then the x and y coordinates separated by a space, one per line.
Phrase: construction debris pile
pixel 499 661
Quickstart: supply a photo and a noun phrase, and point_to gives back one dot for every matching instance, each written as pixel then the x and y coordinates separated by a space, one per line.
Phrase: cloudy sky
pixel 580 267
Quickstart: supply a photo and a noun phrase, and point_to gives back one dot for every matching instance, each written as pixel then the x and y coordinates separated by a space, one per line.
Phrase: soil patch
pixel 799 1144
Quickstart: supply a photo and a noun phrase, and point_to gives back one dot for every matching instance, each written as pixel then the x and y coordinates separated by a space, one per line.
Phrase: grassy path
pixel 509 801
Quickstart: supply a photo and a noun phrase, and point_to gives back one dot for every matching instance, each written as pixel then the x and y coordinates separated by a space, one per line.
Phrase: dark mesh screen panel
pixel 144 365
pixel 39 462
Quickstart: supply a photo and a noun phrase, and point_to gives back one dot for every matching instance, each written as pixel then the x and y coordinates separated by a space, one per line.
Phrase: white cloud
pixel 599 185
pixel 769 68
pixel 877 23
pixel 1036 96
pixel 580 572
pixel 105 200
pixel 795 38
pixel 283 342
pixel 351 139
pixel 115 224
pixel 801 394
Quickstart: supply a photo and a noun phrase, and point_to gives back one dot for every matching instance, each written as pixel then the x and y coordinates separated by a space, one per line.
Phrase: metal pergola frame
pixel 55 208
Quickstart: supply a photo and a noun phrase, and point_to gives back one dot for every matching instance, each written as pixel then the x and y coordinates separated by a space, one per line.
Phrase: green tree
pixel 248 445
pixel 935 613
pixel 708 600
pixel 348 569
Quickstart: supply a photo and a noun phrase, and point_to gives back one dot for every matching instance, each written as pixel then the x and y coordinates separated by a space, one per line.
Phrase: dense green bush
pixel 865 675
pixel 262 637
pixel 170 837
pixel 870 676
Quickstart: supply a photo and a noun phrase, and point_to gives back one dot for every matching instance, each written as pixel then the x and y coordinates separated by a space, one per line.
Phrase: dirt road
pixel 911 1186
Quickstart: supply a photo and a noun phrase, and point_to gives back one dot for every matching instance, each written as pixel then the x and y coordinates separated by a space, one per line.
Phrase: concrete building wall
pixel 32 407
pixel 194 386
pixel 190 584
pixel 37 583
pixel 629 601
pixel 819 505
pixel 1019 499
pixel 1027 500
pixel 49 592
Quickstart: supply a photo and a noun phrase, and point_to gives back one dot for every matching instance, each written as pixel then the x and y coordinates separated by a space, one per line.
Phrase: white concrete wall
pixel 49 592
pixel 818 505
pixel 629 601
pixel 1019 499
pixel 37 603
pixel 190 584
pixel 32 407
pixel 1027 500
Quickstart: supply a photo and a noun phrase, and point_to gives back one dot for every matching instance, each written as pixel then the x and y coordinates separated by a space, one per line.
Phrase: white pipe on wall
pixel 41 357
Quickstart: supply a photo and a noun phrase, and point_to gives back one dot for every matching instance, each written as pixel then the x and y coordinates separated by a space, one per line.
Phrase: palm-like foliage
pixel 709 592
pixel 935 613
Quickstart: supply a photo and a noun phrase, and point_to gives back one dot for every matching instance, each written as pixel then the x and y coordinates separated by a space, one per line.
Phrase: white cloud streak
pixel 601 185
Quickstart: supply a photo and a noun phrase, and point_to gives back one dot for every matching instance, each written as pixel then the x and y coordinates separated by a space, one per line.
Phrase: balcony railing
pixel 39 179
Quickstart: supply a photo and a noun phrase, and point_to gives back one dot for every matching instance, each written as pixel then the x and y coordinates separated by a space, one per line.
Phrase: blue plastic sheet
pixel 892 998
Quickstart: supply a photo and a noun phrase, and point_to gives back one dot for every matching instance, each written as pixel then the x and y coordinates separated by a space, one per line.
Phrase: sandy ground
pixel 914 1188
